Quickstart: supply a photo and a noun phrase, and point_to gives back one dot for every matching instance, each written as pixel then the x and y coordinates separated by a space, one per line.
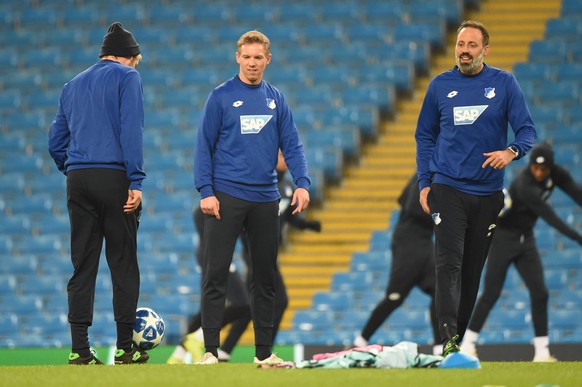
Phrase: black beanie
pixel 542 154
pixel 119 42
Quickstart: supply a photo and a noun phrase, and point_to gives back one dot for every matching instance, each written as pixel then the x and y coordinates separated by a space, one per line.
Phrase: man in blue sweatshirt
pixel 462 149
pixel 96 140
pixel 244 123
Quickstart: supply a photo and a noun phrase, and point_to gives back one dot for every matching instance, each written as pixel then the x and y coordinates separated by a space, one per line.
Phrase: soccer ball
pixel 149 328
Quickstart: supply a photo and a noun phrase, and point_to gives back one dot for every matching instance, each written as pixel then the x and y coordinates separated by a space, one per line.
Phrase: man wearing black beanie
pixel 515 243
pixel 96 140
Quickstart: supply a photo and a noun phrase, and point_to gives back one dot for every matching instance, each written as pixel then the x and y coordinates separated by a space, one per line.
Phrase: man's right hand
pixel 424 199
pixel 210 206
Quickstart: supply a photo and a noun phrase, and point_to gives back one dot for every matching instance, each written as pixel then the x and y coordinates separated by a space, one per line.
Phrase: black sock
pixel 263 351
pixel 80 340
pixel 212 350
pixel 124 336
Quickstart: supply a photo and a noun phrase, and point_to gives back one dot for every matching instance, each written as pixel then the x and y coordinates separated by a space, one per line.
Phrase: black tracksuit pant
pixel 261 222
pixel 513 247
pixel 95 200
pixel 464 228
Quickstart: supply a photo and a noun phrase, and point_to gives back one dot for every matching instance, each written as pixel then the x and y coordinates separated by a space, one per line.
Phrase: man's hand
pixel 424 199
pixel 133 201
pixel 301 198
pixel 498 159
pixel 210 206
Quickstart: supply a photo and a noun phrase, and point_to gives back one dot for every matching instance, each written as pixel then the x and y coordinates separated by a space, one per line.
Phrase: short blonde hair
pixel 254 36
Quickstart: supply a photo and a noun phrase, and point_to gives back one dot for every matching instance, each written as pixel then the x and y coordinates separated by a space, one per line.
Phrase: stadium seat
pixel 331 301
pixel 345 138
pixel 328 159
pixel 373 261
pixel 547 51
pixel 566 27
pixel 351 281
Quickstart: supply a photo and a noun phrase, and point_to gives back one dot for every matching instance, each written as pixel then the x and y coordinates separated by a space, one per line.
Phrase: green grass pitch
pixel 508 374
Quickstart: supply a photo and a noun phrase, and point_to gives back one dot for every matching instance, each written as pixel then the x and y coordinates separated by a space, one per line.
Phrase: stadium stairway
pixel 367 195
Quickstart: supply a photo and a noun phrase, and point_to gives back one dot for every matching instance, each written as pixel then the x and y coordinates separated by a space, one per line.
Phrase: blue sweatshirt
pixel 100 121
pixel 464 116
pixel 241 130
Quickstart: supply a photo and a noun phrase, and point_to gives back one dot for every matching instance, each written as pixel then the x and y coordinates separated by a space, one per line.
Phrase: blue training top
pixel 100 121
pixel 464 116
pixel 241 130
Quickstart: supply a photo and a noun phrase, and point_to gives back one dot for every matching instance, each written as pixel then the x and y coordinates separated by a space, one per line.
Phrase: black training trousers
pixel 513 247
pixel 412 265
pixel 95 200
pixel 464 227
pixel 261 222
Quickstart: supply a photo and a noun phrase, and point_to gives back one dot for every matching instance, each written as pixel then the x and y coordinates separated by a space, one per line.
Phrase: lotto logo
pixel 466 115
pixel 253 124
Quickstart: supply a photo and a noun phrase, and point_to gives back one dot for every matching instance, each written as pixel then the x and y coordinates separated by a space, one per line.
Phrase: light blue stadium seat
pixel 85 16
pixel 556 279
pixel 295 74
pixel 162 15
pixel 345 12
pixel 366 118
pixel 352 321
pixel 367 300
pixel 400 74
pixel 16 224
pixel 9 100
pixel 547 51
pixel 22 305
pixel 242 13
pixel 18 265
pixel 290 337
pixel 299 13
pixel 372 261
pixel 41 244
pixel 322 33
pixel 416 52
pixel 78 60
pixel 566 27
pixel 450 11
pixel 351 281
pixel 369 33
pixel 37 17
pixel 551 115
pixel 571 7
pixel 35 58
pixel 532 71
pixel 381 96
pixel 282 36
pixel 409 320
pixel 331 301
pixel 33 284
pixel 30 205
pixel 7 281
pixel 568 72
pixel 565 92
pixel 386 12
pixel 10 326
pixel 312 320
pixel 567 135
pixel 432 32
pixel 43 99
pixel 131 15
pixel 346 138
pixel 381 240
pixel 328 159
pixel 567 300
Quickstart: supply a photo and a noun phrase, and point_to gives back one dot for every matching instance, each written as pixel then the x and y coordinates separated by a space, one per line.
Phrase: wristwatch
pixel 514 150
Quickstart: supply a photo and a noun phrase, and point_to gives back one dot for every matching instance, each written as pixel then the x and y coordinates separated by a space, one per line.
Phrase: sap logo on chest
pixel 466 115
pixel 253 124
